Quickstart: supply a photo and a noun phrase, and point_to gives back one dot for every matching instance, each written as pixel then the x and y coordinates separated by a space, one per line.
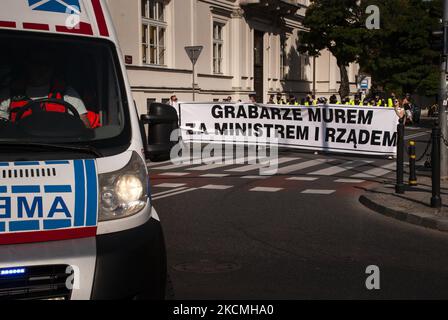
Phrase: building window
pixel 153 32
pixel 282 61
pixel 218 45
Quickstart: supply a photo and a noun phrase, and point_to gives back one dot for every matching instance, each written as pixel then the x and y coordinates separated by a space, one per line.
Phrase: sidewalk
pixel 412 207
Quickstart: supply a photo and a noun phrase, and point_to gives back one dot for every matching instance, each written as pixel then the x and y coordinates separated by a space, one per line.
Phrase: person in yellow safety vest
pixel 391 100
pixel 280 101
pixel 379 101
pixel 356 101
pixel 292 101
pixel 346 101
pixel 308 100
pixel 334 99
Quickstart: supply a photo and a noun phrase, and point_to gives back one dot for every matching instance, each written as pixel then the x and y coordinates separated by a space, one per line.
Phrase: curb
pixel 430 222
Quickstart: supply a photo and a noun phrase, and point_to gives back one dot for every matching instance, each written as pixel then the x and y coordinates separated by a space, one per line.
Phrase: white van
pixel 76 219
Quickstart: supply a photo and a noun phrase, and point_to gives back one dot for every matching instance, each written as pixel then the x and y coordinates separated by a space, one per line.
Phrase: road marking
pixel 226 163
pixel 214 175
pixel 216 187
pixel 417 135
pixel 302 179
pixel 174 174
pixel 170 185
pixel 376 172
pixel 254 177
pixel 297 167
pixel 341 168
pixel 265 189
pixel 155 164
pixel 253 167
pixel 183 163
pixel 174 194
pixel 166 192
pixel 319 192
pixel 349 181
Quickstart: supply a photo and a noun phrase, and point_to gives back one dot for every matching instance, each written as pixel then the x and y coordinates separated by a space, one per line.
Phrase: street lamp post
pixel 443 96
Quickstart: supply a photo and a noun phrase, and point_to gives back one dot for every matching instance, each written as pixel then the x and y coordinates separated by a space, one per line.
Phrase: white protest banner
pixel 332 128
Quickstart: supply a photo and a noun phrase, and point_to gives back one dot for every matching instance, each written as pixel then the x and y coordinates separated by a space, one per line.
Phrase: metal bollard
pixel 436 200
pixel 399 187
pixel 412 165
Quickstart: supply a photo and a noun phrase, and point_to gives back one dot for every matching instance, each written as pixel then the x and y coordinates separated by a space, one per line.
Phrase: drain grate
pixel 207 267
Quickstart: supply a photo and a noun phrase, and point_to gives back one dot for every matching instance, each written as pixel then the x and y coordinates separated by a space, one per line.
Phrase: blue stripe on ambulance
pixel 25 189
pixel 26 164
pixel 20 226
pixel 57 224
pixel 92 194
pixel 80 193
pixel 58 189
pixel 52 163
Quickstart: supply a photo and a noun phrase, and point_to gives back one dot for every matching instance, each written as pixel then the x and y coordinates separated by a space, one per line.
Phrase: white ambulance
pixel 76 219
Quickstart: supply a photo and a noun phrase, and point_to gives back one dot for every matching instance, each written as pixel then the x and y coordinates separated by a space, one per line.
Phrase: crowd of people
pixel 310 100
pixel 403 106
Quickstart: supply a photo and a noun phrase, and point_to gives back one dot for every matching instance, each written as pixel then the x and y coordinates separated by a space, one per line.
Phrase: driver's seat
pixel 19 101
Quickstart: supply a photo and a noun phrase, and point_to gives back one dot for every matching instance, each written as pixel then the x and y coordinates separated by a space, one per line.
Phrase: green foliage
pixel 398 56
pixel 336 26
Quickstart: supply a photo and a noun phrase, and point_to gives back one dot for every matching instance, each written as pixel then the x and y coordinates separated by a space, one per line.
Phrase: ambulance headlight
pixel 125 192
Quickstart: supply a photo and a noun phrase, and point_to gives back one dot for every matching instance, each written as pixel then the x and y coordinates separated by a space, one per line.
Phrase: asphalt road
pixel 299 234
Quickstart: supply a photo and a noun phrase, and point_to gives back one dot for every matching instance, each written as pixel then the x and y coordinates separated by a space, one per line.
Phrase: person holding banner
pixel 391 100
pixel 399 110
pixel 253 98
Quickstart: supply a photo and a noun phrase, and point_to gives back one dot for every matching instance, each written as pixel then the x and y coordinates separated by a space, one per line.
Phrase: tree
pixel 399 56
pixel 336 26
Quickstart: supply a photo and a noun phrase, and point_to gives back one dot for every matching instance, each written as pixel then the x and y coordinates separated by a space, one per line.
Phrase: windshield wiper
pixel 45 146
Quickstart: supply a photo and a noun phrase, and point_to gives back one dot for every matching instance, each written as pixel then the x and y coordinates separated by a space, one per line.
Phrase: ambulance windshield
pixel 61 90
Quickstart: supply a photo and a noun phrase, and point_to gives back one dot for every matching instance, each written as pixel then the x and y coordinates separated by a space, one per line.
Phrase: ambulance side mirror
pixel 161 120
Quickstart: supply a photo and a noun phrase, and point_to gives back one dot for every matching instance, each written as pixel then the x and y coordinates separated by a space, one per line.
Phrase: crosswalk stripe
pixel 296 167
pixel 183 163
pixel 253 167
pixel 174 174
pixel 216 187
pixel 319 192
pixel 417 135
pixel 225 163
pixel 169 191
pixel 349 181
pixel 174 193
pixel 302 179
pixel 170 185
pixel 254 177
pixel 266 189
pixel 341 168
pixel 155 164
pixel 214 175
pixel 376 172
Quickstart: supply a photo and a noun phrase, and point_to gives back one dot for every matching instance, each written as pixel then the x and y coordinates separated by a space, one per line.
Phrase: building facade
pixel 249 46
